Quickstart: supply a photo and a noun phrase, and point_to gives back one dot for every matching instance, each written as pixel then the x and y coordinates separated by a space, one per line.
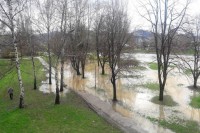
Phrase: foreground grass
pixel 195 102
pixel 178 125
pixel 40 113
pixel 167 100
pixel 5 66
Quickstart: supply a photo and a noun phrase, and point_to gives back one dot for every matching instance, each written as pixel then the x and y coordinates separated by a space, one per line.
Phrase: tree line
pixel 70 29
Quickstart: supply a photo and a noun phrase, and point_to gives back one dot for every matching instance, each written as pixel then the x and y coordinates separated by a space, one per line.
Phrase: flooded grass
pixel 180 85
pixel 40 113
pixel 195 102
pixel 187 72
pixel 153 66
pixel 151 85
pixel 167 101
pixel 139 67
pixel 53 59
pixel 178 125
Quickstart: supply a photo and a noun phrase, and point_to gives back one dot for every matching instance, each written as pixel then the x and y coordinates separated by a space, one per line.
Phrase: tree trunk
pixel 57 100
pixel 103 69
pixel 49 54
pixel 61 74
pixel 77 69
pixel 113 81
pixel 195 83
pixel 161 93
pixel 114 90
pixel 34 73
pixel 21 102
pixel 83 69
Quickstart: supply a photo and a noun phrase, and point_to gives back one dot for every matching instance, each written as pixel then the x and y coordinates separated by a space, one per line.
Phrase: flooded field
pixel 134 99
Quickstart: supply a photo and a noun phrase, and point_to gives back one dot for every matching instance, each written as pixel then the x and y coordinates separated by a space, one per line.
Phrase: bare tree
pixel 79 38
pixel 192 31
pixel 100 37
pixel 59 44
pixel 30 40
pixel 46 22
pixel 117 24
pixel 56 49
pixel 165 19
pixel 10 10
pixel 63 15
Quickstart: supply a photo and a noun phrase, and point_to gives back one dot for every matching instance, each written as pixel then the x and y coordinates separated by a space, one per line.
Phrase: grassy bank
pixel 40 113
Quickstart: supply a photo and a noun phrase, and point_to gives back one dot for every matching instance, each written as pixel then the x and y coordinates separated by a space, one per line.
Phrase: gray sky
pixel 138 22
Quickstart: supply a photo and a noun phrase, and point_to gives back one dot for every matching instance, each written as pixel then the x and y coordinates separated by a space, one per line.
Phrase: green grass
pixel 187 72
pixel 195 102
pixel 179 125
pixel 5 66
pixel 167 100
pixel 151 85
pixel 40 115
pixel 153 66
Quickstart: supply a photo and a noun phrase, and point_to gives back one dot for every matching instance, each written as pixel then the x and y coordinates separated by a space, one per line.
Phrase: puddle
pixel 46 87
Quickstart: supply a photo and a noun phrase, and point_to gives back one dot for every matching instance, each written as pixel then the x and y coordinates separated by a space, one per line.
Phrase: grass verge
pixel 40 114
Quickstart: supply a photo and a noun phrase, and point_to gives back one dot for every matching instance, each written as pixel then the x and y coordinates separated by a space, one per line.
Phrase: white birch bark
pixel 12 28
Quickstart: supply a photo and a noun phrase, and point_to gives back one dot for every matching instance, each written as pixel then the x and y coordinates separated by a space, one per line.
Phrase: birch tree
pixel 9 12
pixel 46 23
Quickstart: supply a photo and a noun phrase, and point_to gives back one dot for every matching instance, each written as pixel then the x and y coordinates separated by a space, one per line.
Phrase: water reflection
pixel 161 112
pixel 46 87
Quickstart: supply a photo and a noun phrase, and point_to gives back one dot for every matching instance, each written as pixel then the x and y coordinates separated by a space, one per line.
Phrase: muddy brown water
pixel 133 99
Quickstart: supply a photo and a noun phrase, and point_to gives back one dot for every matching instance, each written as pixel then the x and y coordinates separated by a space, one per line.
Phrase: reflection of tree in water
pixel 121 109
pixel 161 112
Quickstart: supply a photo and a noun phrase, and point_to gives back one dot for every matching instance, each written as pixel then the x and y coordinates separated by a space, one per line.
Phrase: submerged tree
pixel 100 37
pixel 165 19
pixel 192 31
pixel 79 23
pixel 9 12
pixel 117 26
pixel 46 21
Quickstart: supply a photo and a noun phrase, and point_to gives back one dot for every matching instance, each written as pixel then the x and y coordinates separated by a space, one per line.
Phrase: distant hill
pixel 142 33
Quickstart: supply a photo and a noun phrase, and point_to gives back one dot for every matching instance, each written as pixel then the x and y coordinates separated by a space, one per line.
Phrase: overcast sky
pixel 137 21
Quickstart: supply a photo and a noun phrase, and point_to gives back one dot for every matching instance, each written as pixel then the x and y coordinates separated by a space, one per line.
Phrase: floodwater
pixel 134 100
pixel 46 87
